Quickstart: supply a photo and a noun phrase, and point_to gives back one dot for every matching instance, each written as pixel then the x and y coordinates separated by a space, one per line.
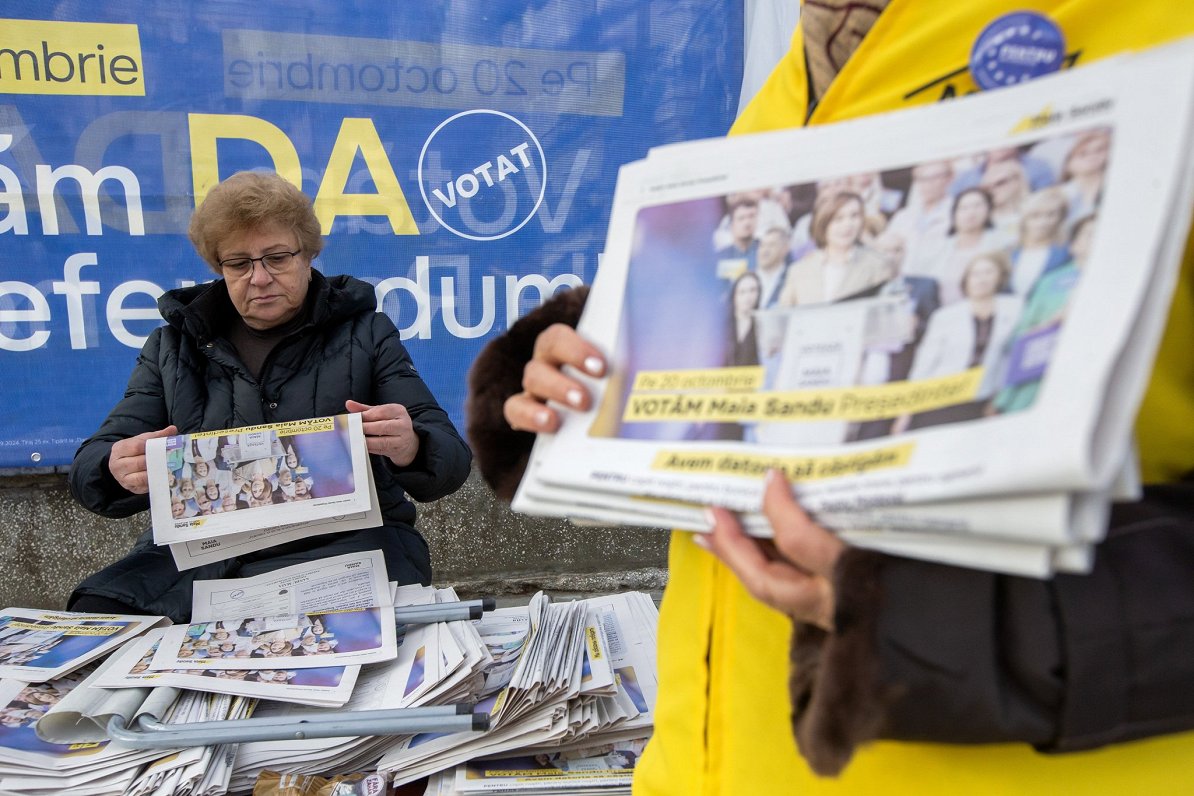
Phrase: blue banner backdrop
pixel 462 156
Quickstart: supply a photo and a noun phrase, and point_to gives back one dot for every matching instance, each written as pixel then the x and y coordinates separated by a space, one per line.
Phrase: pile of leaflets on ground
pixel 568 688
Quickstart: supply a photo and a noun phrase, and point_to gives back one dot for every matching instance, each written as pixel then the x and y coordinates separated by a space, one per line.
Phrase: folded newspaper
pixel 218 494
pixel 37 646
pixel 955 380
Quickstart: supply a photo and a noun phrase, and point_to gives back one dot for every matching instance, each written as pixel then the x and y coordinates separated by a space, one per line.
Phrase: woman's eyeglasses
pixel 275 263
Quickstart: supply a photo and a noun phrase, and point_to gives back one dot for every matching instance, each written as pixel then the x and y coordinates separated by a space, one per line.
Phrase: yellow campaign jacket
pixel 722 713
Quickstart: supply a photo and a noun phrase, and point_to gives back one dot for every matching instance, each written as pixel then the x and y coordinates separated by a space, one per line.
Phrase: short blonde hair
pixel 1051 199
pixel 250 199
pixel 997 257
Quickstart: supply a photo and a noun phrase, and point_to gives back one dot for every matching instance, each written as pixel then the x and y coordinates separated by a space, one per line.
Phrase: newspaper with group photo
pixel 328 686
pixel 331 612
pixel 22 706
pixel 37 646
pixel 893 326
pixel 207 549
pixel 238 481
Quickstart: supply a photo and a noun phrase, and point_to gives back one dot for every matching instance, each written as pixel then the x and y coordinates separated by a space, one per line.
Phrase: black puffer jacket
pixel 188 375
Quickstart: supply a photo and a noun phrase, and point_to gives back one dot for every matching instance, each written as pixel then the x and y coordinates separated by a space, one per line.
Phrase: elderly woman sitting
pixel 272 340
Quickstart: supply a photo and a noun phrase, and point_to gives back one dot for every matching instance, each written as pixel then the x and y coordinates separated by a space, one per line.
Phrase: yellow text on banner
pixel 77 58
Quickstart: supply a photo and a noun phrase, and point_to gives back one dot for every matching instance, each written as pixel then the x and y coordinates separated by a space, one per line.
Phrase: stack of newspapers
pixel 44 657
pixel 574 714
pixel 939 323
pixel 35 766
pixel 567 687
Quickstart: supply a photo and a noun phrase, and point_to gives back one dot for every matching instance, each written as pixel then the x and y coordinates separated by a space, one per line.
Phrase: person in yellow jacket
pixel 906 676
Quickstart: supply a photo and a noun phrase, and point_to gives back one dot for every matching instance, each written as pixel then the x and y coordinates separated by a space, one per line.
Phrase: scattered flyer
pixel 214 483
pixel 599 767
pixel 288 641
pixel 330 612
pixel 352 580
pixel 329 686
pixel 36 645
pixel 583 681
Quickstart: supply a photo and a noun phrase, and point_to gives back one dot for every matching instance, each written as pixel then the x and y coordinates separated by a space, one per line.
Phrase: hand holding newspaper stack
pixel 932 386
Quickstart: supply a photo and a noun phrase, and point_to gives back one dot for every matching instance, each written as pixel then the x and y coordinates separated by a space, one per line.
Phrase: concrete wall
pixel 477 545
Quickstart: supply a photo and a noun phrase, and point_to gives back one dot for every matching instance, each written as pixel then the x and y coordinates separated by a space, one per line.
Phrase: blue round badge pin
pixel 1015 48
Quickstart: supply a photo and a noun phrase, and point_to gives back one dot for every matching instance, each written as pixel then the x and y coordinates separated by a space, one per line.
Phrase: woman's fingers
pixel 767 574
pixel 544 380
pixel 793 572
pixel 797 537
pixel 524 413
pixel 559 345
pixel 126 461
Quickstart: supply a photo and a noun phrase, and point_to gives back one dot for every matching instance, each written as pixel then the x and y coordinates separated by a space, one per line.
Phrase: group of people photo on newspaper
pixel 220 473
pixel 24 646
pixel 320 676
pixel 980 253
pixel 266 637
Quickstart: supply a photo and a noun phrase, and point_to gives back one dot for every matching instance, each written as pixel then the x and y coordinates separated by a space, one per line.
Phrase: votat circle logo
pixel 482 174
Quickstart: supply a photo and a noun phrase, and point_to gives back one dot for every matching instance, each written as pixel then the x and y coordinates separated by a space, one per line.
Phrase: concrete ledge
pixel 477 545
pixel 651 579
